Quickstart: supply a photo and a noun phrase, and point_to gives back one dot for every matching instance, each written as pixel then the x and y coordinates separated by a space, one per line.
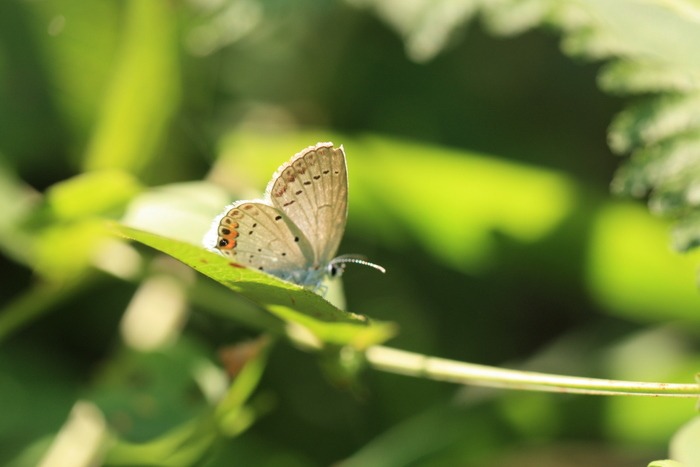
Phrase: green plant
pixel 489 259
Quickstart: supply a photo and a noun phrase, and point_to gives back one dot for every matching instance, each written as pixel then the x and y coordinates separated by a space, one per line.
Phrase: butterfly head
pixel 336 267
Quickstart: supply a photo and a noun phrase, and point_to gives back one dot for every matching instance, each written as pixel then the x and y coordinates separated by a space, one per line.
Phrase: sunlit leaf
pixel 14 241
pixel 295 305
pixel 684 446
pixel 652 50
pixel 661 354
pixel 666 463
pixel 638 76
pixel 143 92
pixel 654 120
pixel 63 252
pixel 686 234
pixel 657 165
pixel 457 196
pixel 90 194
pixel 656 285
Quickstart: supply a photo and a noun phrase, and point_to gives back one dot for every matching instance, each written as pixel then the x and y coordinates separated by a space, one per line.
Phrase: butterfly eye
pixel 336 269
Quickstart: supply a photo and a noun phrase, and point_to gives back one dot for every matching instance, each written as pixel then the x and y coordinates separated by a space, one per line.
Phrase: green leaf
pixel 306 313
pixel 654 120
pixel 684 446
pixel 666 463
pixel 14 241
pixel 640 286
pixel 646 76
pixel 91 193
pixel 186 444
pixel 143 93
pixel 686 234
pixel 661 165
pixel 472 195
pixel 651 48
pixel 155 416
pixel 232 414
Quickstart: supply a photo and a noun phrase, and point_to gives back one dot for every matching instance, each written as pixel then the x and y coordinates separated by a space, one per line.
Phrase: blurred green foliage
pixel 479 175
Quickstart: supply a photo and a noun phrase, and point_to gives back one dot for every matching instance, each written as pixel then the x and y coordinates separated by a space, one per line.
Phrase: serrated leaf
pixel 658 30
pixel 662 166
pixel 425 25
pixel 653 120
pixel 654 45
pixel 686 233
pixel 294 304
pixel 515 16
pixel 645 76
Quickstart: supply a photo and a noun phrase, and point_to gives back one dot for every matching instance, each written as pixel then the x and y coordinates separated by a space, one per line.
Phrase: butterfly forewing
pixel 312 191
pixel 295 231
pixel 257 235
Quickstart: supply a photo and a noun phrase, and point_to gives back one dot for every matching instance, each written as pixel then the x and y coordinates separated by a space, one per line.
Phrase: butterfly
pixel 293 232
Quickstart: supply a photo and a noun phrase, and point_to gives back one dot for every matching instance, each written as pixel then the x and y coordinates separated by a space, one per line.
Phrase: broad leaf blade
pixel 295 305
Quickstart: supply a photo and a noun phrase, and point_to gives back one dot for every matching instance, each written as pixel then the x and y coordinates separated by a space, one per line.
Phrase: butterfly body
pixel 293 232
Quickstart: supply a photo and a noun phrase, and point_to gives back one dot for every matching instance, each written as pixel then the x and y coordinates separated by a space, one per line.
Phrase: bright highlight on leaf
pixel 290 303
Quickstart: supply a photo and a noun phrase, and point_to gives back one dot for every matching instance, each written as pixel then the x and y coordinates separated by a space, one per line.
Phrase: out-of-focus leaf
pixel 60 239
pixel 655 120
pixel 460 198
pixel 651 47
pixel 30 304
pixel 686 233
pixel 684 446
pixel 63 252
pixel 664 165
pixel 655 285
pixel 157 413
pixel 646 76
pixel 154 390
pixel 32 454
pixel 297 306
pixel 21 200
pixel 663 354
pixel 143 93
pixel 232 414
pixel 79 68
pixel 183 211
pixel 666 463
pixel 425 25
pixel 91 194
pixel 186 444
pixel 453 201
pixel 30 412
pixel 508 17
pixel 143 394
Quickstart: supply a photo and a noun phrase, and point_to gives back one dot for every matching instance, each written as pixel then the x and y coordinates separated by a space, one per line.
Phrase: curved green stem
pixel 440 369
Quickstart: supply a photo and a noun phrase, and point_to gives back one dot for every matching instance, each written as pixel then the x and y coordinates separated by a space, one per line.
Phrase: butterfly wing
pixel 256 235
pixel 312 192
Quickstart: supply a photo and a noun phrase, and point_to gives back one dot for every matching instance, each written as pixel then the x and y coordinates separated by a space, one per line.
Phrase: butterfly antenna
pixel 357 259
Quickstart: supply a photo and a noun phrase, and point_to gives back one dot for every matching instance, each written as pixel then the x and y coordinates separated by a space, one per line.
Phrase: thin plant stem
pixel 440 369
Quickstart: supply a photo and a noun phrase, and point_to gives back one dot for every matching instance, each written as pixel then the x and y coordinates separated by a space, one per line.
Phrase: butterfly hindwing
pixel 312 191
pixel 257 235
pixel 295 231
